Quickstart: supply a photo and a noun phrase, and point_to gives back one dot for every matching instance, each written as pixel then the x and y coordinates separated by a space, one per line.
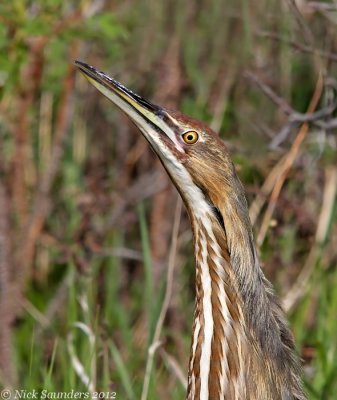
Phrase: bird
pixel 241 347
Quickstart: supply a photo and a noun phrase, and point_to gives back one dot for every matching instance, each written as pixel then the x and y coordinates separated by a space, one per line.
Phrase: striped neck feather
pixel 216 358
pixel 241 345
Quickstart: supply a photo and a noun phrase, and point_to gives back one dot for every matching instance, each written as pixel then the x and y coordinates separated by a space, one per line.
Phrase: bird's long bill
pixel 152 120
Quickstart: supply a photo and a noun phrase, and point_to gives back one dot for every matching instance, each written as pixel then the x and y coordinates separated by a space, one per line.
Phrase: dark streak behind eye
pixel 219 217
pixel 215 210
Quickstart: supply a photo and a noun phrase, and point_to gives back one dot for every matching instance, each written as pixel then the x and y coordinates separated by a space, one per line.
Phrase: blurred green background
pixel 87 213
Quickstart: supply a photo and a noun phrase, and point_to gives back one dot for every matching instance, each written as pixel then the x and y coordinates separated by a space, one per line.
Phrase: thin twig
pixel 267 187
pixel 281 136
pixel 35 313
pixel 296 119
pixel 121 252
pixel 317 5
pixel 294 116
pixel 298 46
pixel 174 366
pixel 314 116
pixel 279 101
pixel 302 23
pixel 327 125
pixel 86 377
pixel 155 344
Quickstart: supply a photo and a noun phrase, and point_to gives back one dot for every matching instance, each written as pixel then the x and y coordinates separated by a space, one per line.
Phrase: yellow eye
pixel 190 137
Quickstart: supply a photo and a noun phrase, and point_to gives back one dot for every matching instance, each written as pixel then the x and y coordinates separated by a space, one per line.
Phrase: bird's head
pixel 193 155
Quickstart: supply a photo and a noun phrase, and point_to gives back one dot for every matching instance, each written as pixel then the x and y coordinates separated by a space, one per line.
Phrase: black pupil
pixel 190 137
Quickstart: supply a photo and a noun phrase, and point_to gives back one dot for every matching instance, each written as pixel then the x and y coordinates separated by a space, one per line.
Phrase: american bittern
pixel 241 345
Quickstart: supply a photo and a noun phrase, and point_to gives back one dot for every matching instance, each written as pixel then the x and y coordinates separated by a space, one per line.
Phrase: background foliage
pixel 87 214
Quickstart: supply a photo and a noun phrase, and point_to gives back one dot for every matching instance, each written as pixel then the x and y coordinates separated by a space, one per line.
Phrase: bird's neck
pixel 241 346
pixel 215 366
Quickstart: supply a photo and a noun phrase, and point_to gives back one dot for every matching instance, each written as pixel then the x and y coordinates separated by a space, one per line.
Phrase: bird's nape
pixel 241 345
